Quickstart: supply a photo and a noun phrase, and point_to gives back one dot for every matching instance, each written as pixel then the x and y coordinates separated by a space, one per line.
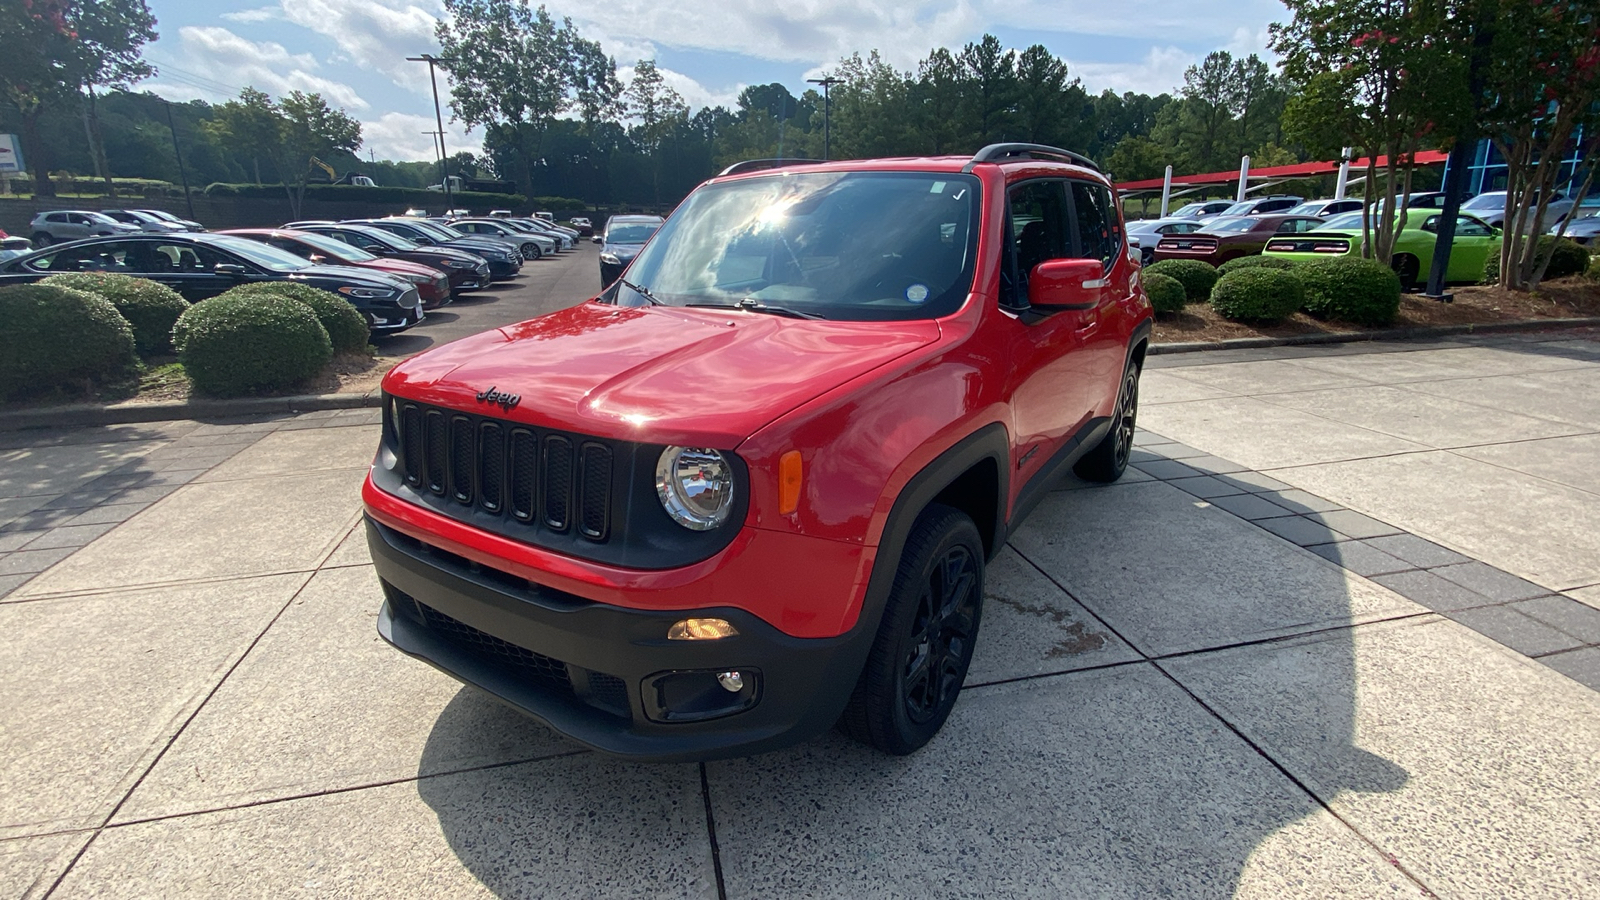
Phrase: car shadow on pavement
pixel 1163 705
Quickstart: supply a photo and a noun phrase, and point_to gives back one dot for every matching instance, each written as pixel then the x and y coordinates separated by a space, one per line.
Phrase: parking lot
pixel 1337 634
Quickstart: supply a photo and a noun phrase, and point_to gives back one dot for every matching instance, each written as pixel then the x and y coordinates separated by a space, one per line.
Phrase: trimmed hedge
pixel 1257 295
pixel 149 306
pixel 1361 291
pixel 1197 277
pixel 1166 293
pixel 1255 262
pixel 359 193
pixel 58 338
pixel 250 343
pixel 346 328
pixel 1593 272
pixel 1567 258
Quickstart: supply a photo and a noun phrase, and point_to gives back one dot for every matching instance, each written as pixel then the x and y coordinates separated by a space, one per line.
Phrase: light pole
pixel 827 112
pixel 438 115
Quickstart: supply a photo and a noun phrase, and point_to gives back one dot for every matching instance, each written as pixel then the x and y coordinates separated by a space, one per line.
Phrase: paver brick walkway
pixel 1334 635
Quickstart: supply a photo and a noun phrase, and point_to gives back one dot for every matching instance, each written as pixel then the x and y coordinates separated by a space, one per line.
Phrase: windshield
pixel 1486 201
pixel 632 233
pixel 1239 209
pixel 337 248
pixel 1190 210
pixel 1344 222
pixel 1233 226
pixel 385 237
pixel 436 231
pixel 841 245
pixel 161 214
pixel 265 256
pixel 1306 209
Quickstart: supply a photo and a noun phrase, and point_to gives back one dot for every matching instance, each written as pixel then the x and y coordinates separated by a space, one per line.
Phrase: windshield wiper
pixel 753 305
pixel 640 290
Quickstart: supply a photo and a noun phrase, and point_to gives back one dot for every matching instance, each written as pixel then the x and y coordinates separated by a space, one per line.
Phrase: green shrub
pixel 149 306
pixel 1256 262
pixel 1196 277
pixel 57 338
pixel 1567 258
pixel 244 343
pixel 1166 293
pixel 1257 295
pixel 1362 291
pixel 1593 272
pixel 346 328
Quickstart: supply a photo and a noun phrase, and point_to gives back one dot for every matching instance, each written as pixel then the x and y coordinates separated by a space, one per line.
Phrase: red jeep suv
pixel 750 490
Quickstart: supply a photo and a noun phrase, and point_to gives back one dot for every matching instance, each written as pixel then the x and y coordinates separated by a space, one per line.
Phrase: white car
pixel 1585 231
pixel 1491 207
pixel 72 224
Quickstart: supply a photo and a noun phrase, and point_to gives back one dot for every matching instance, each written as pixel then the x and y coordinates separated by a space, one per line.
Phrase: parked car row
pixel 62 225
pixel 391 270
pixel 1489 207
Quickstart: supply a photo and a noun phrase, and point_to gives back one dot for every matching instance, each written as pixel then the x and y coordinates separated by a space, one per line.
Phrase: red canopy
pixel 1301 170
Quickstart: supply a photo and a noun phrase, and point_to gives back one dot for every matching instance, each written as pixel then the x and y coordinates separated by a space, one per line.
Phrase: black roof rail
pixel 1003 152
pixel 756 165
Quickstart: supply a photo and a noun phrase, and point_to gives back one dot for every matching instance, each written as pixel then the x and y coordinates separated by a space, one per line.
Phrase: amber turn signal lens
pixel 789 482
pixel 701 630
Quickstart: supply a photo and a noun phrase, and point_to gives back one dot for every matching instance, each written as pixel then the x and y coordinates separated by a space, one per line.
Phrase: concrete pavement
pixel 1335 635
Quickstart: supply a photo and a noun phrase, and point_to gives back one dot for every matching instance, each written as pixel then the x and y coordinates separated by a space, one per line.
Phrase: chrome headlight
pixel 418 279
pixel 366 293
pixel 457 263
pixel 610 259
pixel 695 486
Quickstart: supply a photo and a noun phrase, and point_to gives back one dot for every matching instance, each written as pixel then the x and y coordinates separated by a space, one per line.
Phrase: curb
pixel 131 413
pixel 125 414
pixel 1390 334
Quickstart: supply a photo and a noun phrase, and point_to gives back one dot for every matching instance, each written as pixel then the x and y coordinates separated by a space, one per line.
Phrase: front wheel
pixel 1107 460
pixel 1409 269
pixel 924 643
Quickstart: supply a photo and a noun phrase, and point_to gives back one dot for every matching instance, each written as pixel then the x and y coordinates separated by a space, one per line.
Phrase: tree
pixel 1210 96
pixel 53 49
pixel 989 90
pixel 1375 75
pixel 513 70
pixel 657 109
pixel 290 133
pixel 1051 106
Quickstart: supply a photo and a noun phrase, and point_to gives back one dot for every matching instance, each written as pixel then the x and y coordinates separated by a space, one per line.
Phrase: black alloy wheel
pixel 1409 269
pixel 1109 459
pixel 925 638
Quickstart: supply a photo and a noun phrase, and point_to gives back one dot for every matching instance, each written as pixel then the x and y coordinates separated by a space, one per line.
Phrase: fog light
pixel 696 695
pixel 732 682
pixel 701 630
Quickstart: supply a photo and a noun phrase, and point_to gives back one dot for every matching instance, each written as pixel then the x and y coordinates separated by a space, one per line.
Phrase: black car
pixel 503 257
pixel 624 237
pixel 204 265
pixel 467 271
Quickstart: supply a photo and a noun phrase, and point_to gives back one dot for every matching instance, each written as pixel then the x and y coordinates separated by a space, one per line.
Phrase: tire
pixel 538 253
pixel 42 240
pixel 1107 460
pixel 924 644
pixel 1409 269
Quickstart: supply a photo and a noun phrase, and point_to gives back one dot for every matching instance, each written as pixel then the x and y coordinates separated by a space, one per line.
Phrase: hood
pixel 401 267
pixel 353 276
pixel 655 374
pixel 482 243
pixel 628 250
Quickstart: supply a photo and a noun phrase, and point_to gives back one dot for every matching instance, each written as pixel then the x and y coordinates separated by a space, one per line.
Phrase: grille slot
pixel 594 497
pixel 557 483
pixel 548 481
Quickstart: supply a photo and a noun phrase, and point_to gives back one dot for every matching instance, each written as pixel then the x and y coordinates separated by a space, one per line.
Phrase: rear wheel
pixel 1409 269
pixel 42 239
pixel 1109 459
pixel 924 643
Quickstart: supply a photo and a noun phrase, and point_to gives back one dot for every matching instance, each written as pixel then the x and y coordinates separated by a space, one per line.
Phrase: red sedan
pixel 1222 239
pixel 432 284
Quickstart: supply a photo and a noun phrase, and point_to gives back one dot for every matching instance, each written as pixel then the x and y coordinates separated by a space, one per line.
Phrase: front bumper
pixel 586 669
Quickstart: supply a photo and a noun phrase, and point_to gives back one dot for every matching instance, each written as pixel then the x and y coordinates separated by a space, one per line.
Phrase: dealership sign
pixel 10 153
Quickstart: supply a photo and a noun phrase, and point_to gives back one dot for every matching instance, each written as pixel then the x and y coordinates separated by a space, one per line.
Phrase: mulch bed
pixel 1568 298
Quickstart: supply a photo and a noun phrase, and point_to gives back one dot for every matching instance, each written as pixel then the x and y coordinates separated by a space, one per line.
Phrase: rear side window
pixel 1099 228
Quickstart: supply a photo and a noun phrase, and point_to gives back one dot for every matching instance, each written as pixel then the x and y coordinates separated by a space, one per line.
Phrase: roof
pixel 1299 170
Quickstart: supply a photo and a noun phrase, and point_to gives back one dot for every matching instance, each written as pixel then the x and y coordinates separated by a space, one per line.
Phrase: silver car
pixel 144 221
pixel 74 224
pixel 533 246
pixel 1491 207
pixel 1585 231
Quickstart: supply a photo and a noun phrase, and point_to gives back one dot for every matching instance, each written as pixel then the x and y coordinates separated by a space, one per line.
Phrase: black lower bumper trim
pixel 580 666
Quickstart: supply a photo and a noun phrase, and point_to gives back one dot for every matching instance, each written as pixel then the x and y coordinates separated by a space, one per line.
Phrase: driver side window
pixel 1038 232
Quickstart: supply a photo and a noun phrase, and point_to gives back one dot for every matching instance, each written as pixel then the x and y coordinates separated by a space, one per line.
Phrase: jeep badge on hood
pixel 505 401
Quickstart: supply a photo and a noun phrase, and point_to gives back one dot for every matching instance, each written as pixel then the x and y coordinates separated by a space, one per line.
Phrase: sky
pixel 354 52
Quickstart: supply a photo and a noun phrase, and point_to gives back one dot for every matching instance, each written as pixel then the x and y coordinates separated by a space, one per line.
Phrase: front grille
pixel 551 481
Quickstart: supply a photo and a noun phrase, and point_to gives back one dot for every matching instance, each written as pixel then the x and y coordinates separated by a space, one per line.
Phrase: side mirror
pixel 317 258
pixel 599 240
pixel 1064 284
pixel 233 269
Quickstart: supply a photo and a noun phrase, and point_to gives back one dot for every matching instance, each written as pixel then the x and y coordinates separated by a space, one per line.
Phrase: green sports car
pixel 1413 249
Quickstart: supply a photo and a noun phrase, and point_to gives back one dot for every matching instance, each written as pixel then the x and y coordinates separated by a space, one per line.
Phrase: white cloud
pixel 215 63
pixel 374 34
pixel 695 94
pixel 401 136
pixel 263 14
pixel 1161 71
